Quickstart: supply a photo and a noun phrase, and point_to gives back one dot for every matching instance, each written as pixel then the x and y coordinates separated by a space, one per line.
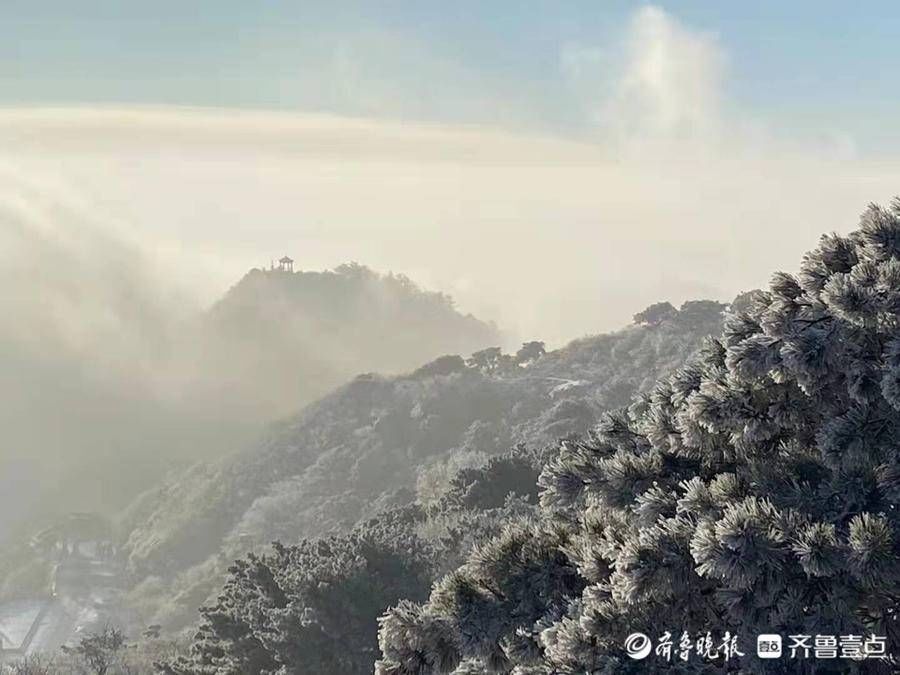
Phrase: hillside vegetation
pixel 755 490
pixel 377 444
pixel 163 391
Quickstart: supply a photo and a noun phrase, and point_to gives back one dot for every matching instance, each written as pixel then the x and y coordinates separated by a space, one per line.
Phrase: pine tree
pixel 655 314
pixel 310 608
pixel 753 491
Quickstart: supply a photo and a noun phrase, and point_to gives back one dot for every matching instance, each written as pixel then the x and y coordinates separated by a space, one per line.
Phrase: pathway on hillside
pixel 86 598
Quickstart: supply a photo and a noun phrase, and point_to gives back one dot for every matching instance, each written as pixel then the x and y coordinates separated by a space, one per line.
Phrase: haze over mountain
pixel 662 172
pixel 298 335
pixel 120 223
pixel 113 378
pixel 242 466
pixel 376 446
pixel 377 443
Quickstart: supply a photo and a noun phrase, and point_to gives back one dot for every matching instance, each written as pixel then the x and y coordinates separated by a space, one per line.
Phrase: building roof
pixel 285 259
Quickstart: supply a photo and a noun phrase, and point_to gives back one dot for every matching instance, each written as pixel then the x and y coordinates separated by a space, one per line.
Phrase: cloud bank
pixel 672 193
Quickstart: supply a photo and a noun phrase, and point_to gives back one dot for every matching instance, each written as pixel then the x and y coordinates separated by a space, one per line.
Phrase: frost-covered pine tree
pixel 756 490
pixel 310 608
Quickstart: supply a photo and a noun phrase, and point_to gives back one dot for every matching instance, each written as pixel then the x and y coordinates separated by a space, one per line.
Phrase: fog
pixel 119 224
pixel 671 178
pixel 506 224
pixel 297 390
pixel 90 376
pixel 116 372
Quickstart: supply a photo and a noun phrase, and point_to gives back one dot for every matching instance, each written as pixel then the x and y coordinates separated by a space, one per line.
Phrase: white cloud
pixel 508 223
pixel 662 81
pixel 671 84
pixel 675 198
pixel 661 91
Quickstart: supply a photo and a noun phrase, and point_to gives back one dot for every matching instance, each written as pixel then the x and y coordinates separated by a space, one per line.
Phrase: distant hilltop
pixel 293 337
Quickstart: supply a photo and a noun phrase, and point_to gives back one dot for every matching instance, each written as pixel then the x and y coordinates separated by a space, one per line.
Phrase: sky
pixel 820 64
pixel 555 166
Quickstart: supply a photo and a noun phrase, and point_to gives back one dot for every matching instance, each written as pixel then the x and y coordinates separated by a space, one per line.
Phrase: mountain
pixel 756 490
pixel 158 389
pixel 753 489
pixel 280 339
pixel 379 443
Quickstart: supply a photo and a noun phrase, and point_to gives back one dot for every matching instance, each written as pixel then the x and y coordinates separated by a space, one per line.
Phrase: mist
pixel 120 225
pixel 117 372
pixel 424 304
pixel 96 359
pixel 657 197
pixel 475 213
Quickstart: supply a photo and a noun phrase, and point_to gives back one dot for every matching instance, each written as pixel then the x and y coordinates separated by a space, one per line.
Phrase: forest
pixel 370 495
pixel 710 468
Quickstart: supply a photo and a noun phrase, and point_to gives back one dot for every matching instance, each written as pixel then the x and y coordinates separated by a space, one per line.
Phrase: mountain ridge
pixel 379 441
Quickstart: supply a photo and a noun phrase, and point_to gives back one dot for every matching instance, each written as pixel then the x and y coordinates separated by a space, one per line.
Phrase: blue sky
pixel 802 67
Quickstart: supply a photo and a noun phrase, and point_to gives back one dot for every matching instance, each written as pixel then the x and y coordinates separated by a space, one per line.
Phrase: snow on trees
pixel 753 491
pixel 655 314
